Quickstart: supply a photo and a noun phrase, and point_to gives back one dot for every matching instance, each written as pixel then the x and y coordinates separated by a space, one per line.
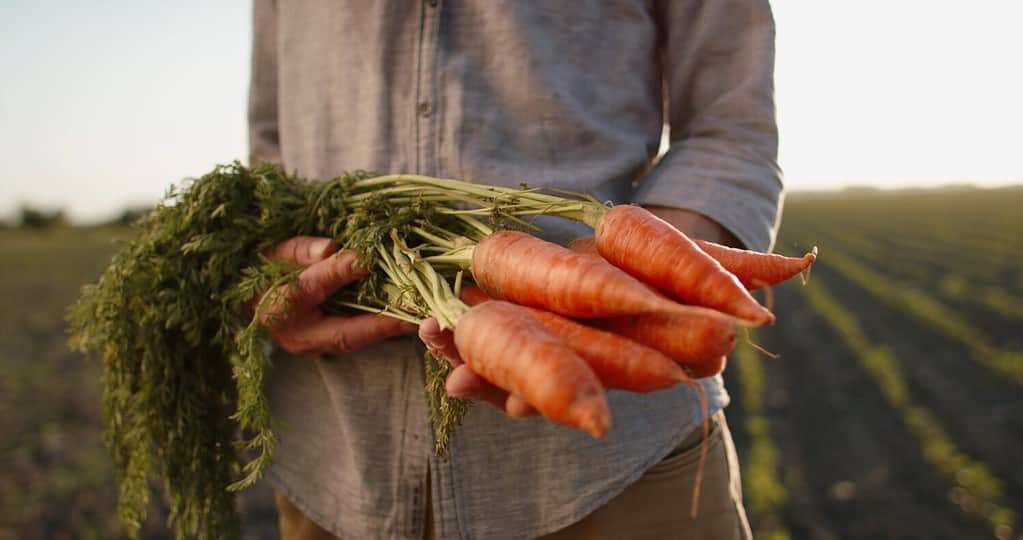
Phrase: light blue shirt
pixel 565 94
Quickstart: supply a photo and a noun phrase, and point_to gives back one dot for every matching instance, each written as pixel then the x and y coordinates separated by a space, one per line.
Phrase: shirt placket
pixel 418 440
pixel 425 104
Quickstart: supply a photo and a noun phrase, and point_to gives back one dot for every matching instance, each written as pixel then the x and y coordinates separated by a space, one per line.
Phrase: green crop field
pixel 895 410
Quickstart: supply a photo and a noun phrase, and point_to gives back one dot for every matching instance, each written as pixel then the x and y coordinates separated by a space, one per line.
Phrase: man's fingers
pixel 344 334
pixel 517 407
pixel 303 250
pixel 465 383
pixel 439 342
pixel 322 279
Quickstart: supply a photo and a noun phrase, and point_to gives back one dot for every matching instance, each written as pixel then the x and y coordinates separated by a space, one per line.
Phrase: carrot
pixel 515 266
pixel 649 248
pixel 755 269
pixel 618 361
pixel 693 341
pixel 473 295
pixel 586 245
pixel 507 346
pixel 707 369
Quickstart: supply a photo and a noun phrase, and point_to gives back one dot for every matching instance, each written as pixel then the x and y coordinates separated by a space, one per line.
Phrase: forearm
pixel 696 225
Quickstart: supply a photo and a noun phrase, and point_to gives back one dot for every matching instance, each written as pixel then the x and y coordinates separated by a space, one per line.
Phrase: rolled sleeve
pixel 722 158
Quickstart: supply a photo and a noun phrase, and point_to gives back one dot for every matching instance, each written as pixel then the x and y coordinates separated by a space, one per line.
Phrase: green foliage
pixel 180 395
pixel 445 411
pixel 184 367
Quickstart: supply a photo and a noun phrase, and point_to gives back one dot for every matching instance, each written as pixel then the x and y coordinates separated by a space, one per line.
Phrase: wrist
pixel 696 225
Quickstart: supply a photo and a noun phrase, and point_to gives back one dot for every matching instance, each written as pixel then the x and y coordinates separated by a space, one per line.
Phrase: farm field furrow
pixel 942 252
pixel 930 313
pixel 990 309
pixel 926 255
pixel 763 488
pixel 986 217
pixel 942 255
pixel 983 417
pixel 975 487
pixel 854 461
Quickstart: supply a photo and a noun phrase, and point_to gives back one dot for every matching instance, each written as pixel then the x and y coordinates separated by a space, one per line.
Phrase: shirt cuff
pixel 744 198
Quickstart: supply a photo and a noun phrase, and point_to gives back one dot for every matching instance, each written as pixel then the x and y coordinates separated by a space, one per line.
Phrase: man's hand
pixel 293 313
pixel 464 382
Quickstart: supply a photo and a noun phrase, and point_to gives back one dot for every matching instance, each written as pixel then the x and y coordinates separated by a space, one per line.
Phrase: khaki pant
pixel 656 507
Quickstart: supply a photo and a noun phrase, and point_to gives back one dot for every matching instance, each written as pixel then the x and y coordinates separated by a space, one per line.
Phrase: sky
pixel 104 105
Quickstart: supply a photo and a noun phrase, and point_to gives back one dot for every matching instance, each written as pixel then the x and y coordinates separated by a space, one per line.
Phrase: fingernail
pixel 318 248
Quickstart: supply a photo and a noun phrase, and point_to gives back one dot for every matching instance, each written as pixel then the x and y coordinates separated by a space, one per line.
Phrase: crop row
pixel 951 285
pixel 996 299
pixel 762 487
pixel 904 252
pixel 981 221
pixel 973 486
pixel 931 313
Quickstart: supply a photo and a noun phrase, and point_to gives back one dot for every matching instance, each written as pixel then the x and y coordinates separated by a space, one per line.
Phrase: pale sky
pixel 103 105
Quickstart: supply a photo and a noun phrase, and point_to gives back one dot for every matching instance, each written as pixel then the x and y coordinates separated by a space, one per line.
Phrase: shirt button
pixel 424 108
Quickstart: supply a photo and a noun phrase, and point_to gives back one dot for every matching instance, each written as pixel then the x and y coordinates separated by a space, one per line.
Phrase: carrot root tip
pixel 811 258
pixel 765 352
pixel 595 420
pixel 694 508
pixel 768 298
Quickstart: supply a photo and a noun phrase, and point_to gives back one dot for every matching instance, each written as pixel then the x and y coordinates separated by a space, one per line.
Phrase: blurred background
pixel 896 408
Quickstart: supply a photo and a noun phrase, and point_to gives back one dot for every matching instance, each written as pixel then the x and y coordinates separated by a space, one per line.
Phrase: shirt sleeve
pixel 264 139
pixel 719 81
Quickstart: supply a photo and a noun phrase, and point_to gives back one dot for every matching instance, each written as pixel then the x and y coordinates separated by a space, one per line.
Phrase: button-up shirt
pixel 572 95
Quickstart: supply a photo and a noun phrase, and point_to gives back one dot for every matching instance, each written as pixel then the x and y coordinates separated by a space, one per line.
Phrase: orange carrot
pixel 692 341
pixel 618 361
pixel 514 266
pixel 507 346
pixel 646 246
pixel 706 369
pixel 473 295
pixel 586 245
pixel 755 269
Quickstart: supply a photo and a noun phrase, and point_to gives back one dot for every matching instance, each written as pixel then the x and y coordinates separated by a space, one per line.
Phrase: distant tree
pixel 33 218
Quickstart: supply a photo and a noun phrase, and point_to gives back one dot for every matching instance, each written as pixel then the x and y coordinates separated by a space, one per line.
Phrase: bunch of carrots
pixel 638 307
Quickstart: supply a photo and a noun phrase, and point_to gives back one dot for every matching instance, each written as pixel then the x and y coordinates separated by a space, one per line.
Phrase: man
pixel 570 95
